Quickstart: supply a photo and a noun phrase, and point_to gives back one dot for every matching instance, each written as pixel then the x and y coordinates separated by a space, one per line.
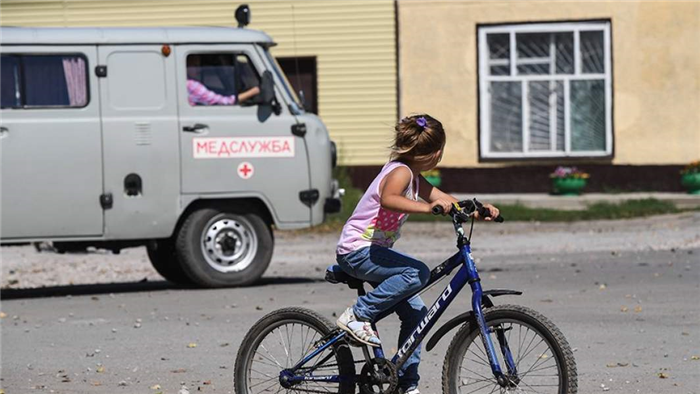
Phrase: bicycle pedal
pixel 350 340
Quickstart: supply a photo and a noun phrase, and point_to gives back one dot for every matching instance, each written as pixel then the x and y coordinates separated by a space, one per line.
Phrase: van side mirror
pixel 267 92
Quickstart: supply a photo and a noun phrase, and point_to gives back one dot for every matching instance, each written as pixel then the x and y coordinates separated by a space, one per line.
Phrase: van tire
pixel 246 233
pixel 162 255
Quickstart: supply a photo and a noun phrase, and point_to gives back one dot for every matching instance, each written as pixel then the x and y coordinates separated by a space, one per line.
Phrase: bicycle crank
pixel 378 376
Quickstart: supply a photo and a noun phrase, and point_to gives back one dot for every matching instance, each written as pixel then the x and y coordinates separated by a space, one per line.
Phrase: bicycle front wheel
pixel 279 341
pixel 542 356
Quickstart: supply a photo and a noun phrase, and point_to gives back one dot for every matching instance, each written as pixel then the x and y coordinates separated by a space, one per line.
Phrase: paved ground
pixel 623 292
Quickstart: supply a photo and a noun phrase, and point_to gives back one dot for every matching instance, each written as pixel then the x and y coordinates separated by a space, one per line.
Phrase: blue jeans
pixel 394 275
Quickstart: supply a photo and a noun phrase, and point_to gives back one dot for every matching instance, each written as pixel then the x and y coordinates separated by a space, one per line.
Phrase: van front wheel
pixel 218 248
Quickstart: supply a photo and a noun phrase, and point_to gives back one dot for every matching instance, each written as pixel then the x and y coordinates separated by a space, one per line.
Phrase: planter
pixel 568 186
pixel 691 182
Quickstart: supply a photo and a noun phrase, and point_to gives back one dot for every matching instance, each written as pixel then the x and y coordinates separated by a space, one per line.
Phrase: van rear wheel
pixel 162 255
pixel 219 247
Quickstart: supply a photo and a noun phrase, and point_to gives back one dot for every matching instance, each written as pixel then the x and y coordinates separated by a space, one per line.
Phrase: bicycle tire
pixel 303 317
pixel 501 314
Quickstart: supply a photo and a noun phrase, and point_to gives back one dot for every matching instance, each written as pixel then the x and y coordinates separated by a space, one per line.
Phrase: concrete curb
pixel 537 200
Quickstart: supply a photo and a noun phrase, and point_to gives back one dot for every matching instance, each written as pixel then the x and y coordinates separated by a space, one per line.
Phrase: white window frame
pixel 485 78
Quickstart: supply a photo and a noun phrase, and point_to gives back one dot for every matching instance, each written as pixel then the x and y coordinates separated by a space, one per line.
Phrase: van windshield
pixel 298 108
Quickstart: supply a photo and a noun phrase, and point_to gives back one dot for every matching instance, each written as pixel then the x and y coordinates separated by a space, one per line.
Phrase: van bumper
pixel 334 203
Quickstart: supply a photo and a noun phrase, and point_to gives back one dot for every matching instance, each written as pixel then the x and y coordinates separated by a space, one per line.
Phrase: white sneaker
pixel 412 390
pixel 362 331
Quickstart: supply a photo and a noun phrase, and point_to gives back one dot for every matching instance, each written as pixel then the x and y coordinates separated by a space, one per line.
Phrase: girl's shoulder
pixel 394 164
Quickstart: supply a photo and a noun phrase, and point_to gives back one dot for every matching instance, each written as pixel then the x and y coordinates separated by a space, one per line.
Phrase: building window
pixel 545 90
pixel 43 81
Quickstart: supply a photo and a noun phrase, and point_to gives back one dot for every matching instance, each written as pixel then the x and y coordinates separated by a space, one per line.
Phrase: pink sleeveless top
pixel 370 224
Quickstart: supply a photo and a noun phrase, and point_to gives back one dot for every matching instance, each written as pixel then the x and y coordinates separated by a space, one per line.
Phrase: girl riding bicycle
pixel 365 251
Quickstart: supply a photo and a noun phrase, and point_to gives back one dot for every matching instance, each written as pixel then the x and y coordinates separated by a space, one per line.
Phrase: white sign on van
pixel 236 147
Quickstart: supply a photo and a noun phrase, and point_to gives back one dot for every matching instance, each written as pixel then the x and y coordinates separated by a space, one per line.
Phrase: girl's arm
pixel 431 194
pixel 392 194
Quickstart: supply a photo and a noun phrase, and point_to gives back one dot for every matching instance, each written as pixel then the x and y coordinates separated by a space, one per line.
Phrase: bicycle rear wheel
pixel 281 339
pixel 543 358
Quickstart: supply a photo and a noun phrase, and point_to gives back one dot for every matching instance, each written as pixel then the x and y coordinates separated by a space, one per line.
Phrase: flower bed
pixel 568 181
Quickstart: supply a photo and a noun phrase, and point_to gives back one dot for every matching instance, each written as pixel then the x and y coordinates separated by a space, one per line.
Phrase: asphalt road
pixel 624 293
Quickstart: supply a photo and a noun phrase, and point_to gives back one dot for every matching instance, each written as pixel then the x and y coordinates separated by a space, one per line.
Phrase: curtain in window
pixel 74 70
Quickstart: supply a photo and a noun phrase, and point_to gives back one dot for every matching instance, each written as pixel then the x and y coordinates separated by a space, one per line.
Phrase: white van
pixel 186 140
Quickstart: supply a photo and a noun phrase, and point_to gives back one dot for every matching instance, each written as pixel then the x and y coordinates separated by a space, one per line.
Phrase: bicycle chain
pixel 321 341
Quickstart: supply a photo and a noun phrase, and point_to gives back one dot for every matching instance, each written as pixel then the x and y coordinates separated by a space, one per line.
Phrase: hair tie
pixel 422 122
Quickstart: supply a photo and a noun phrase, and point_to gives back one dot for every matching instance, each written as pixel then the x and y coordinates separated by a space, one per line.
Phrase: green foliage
pixel 352 196
pixel 599 211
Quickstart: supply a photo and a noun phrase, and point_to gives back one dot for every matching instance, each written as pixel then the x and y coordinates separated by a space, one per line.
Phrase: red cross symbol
pixel 245 170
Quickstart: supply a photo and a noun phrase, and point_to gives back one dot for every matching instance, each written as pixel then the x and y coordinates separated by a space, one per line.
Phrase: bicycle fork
pixel 477 295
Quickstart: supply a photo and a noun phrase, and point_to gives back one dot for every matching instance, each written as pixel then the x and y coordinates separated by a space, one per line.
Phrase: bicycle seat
pixel 335 275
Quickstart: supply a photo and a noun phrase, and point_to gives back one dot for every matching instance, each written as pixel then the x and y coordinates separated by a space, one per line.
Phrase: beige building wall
pixel 656 71
pixel 354 42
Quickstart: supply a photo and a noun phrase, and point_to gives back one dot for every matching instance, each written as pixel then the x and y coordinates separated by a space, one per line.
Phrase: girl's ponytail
pixel 418 137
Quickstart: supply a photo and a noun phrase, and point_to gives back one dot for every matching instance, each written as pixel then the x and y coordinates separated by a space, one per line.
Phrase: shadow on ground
pixel 129 287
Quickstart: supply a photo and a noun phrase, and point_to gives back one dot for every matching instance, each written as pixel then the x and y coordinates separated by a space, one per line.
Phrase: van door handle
pixel 4 131
pixel 197 128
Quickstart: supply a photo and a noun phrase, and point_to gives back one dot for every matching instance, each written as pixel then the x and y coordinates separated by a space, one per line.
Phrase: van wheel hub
pixel 228 244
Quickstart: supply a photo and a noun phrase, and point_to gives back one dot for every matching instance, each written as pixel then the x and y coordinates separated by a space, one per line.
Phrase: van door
pixel 50 143
pixel 141 147
pixel 237 149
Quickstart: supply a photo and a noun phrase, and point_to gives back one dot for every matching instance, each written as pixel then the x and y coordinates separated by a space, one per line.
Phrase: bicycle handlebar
pixel 438 210
pixel 471 206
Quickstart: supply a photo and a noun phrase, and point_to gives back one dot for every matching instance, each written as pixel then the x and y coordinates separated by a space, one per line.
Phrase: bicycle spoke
pixel 539 360
pixel 268 359
pixel 482 387
pixel 485 361
pixel 540 369
pixel 278 349
pixel 264 381
pixel 264 374
pixel 476 381
pixel 476 373
pixel 530 350
pixel 535 347
pixel 273 357
pixel 281 341
pixel 533 390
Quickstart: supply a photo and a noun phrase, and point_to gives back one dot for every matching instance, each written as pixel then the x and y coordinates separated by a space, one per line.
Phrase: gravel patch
pixel 304 254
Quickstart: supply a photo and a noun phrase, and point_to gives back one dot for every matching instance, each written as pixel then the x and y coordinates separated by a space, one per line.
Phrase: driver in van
pixel 199 94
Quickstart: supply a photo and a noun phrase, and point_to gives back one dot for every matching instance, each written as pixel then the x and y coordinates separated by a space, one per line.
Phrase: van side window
pixel 221 79
pixel 39 81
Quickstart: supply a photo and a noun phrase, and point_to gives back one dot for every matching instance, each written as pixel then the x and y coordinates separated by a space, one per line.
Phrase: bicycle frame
pixel 467 274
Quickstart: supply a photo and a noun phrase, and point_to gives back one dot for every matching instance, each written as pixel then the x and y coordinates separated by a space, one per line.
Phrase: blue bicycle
pixel 295 350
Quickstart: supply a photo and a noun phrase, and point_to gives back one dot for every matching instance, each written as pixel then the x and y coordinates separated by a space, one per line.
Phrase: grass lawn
pixel 599 211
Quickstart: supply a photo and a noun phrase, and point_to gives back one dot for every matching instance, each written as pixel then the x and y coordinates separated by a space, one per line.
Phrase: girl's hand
pixel 445 204
pixel 493 213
